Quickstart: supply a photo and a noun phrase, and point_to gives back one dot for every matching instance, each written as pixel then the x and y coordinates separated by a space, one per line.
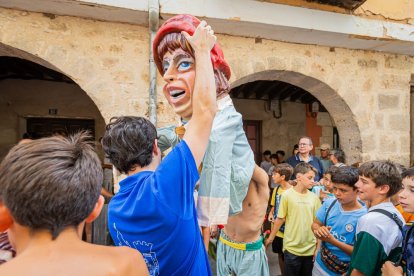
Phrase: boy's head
pixel 266 155
pixel 280 156
pixel 282 172
pixel 273 159
pixel 305 174
pixel 378 179
pixel 337 156
pixel 327 178
pixel 51 184
pixel 406 196
pixel 344 180
pixel 129 142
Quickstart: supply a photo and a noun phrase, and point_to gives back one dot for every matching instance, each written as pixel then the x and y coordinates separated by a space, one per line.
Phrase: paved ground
pixel 273 264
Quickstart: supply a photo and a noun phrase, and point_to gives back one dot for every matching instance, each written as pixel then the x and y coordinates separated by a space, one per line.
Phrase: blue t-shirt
pixel 154 212
pixel 343 227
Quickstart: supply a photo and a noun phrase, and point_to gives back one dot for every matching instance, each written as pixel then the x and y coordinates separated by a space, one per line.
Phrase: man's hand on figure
pixel 203 38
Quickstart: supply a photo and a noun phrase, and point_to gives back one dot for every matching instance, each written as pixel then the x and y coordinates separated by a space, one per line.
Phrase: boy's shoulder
pixel 374 221
pixel 90 260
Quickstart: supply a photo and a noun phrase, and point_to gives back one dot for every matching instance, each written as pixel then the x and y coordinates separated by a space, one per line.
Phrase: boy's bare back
pixel 68 255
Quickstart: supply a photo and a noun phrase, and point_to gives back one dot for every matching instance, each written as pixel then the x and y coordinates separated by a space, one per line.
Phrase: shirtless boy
pixel 49 188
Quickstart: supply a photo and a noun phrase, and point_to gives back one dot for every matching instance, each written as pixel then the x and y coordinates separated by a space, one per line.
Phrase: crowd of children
pixel 356 231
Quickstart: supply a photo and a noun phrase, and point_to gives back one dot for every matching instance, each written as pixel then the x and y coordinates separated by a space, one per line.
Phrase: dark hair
pixel 51 183
pixel 408 173
pixel 128 142
pixel 295 147
pixel 303 168
pixel 339 155
pixel 281 152
pixel 173 41
pixel 284 169
pixel 345 175
pixel 273 156
pixel 331 170
pixel 267 152
pixel 383 173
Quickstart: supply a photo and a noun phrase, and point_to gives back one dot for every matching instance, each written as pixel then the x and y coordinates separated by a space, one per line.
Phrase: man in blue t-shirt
pixel 335 224
pixel 154 211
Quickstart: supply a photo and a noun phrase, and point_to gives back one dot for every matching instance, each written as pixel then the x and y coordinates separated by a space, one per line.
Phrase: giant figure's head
pixel 174 58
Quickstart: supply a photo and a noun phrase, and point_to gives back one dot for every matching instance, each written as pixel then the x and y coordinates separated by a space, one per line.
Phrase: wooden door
pixel 253 130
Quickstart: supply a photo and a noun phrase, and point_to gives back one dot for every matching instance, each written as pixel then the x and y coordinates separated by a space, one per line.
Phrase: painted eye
pixel 184 65
pixel 165 66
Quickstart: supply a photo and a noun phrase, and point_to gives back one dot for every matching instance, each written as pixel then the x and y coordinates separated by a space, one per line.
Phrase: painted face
pixel 307 179
pixel 179 74
pixel 344 193
pixel 406 196
pixel 305 146
pixel 366 188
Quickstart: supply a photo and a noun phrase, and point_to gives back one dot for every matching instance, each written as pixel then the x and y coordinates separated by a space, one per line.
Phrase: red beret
pixel 187 23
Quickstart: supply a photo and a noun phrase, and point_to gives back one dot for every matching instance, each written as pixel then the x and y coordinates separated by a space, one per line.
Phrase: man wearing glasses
pixel 304 155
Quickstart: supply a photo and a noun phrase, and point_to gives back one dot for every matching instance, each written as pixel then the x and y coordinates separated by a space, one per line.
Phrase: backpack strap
pixel 401 261
pixel 329 209
pixel 392 216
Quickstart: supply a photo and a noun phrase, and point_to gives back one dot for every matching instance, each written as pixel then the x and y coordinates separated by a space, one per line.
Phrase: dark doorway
pixel 44 127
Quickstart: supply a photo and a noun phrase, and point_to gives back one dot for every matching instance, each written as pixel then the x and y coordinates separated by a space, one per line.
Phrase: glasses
pixel 303 144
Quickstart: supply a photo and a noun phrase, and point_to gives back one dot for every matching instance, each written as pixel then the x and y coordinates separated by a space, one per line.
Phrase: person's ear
pixel 283 177
pixel 6 219
pixel 384 189
pixel 97 210
pixel 155 149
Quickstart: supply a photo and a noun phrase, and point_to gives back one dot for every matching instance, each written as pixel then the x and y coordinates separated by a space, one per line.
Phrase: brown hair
pixel 51 183
pixel 284 169
pixel 383 173
pixel 174 41
pixel 303 168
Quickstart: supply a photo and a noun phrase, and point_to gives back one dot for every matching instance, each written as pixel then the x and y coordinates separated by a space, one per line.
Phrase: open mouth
pixel 175 94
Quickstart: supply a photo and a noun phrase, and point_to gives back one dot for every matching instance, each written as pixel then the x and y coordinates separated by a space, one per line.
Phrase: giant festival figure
pixel 231 184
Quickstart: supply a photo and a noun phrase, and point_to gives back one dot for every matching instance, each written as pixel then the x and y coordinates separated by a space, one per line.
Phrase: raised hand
pixel 203 38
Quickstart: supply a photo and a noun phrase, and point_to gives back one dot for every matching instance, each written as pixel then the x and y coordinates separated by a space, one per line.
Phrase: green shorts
pixel 241 258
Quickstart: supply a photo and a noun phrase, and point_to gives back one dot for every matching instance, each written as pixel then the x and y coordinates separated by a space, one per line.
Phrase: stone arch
pixel 340 112
pixel 86 99
pixel 50 59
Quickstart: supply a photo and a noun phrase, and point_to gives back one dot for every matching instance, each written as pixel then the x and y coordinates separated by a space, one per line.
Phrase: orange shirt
pixel 407 216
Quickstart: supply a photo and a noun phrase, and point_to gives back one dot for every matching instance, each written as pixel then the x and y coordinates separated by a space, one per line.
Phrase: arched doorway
pixel 37 100
pixel 295 93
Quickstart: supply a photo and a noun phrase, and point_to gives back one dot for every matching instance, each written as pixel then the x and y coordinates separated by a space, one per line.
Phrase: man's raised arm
pixel 204 93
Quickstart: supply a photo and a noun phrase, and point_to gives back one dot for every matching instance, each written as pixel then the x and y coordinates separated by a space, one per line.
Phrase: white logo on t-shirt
pixel 349 228
pixel 146 250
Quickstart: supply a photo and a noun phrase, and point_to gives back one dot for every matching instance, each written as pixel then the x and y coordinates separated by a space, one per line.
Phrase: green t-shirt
pixel 299 210
pixel 378 239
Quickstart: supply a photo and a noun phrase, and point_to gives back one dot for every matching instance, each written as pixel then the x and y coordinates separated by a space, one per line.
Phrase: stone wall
pixel 366 93
pixel 20 99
